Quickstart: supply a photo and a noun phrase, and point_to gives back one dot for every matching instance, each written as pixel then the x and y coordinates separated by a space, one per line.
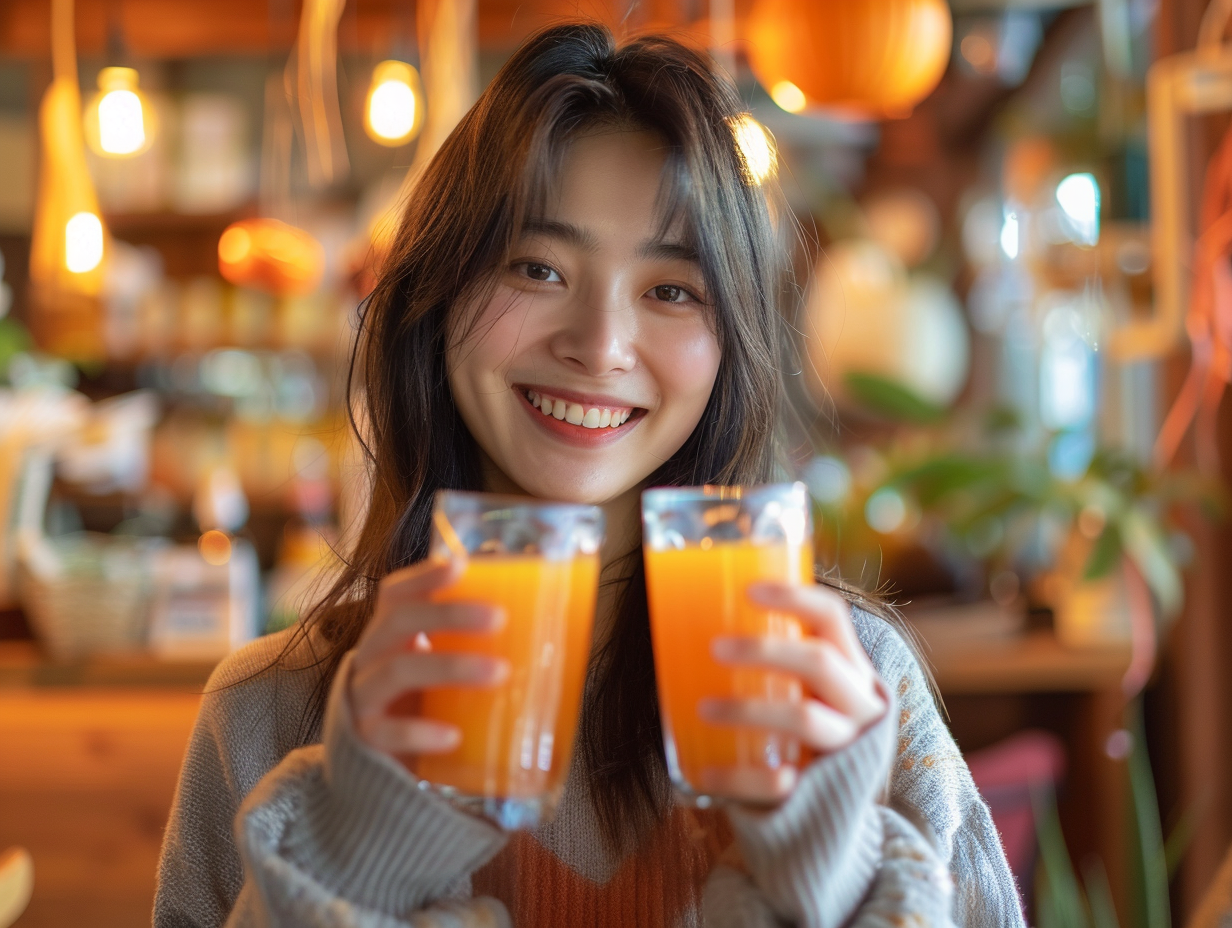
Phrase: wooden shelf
pixel 22 664
pixel 1035 662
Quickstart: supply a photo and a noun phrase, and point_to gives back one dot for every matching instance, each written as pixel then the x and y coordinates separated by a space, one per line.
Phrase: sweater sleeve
pixel 816 855
pixel 911 887
pixel 339 836
pixel 929 780
pixel 831 855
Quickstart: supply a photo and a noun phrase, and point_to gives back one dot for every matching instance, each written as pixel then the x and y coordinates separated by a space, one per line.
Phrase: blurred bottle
pixel 206 595
pixel 307 562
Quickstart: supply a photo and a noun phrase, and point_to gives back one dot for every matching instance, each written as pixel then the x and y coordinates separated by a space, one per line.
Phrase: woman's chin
pixel 582 492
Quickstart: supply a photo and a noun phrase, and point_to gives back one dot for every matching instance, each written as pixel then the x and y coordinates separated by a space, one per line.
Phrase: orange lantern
pixel 868 58
pixel 269 255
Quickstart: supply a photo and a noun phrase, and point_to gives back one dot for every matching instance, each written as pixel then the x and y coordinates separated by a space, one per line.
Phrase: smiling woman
pixel 581 302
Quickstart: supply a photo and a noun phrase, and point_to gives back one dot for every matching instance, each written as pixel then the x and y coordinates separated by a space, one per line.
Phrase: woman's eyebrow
pixel 566 231
pixel 659 249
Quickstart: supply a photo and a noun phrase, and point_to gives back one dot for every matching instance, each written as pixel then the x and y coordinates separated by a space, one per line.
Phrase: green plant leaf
pixel 935 479
pixel 1061 895
pixel 1099 895
pixel 891 399
pixel 1179 839
pixel 1002 419
pixel 1105 555
pixel 1157 912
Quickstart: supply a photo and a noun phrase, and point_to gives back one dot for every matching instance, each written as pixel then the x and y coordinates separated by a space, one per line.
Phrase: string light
pixel 119 122
pixel 394 110
pixel 755 147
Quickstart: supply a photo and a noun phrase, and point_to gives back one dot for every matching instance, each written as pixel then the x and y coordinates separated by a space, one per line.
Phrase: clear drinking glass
pixel 704 546
pixel 540 562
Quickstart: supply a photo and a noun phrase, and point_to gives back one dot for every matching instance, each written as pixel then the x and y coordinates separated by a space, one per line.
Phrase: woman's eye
pixel 540 272
pixel 670 293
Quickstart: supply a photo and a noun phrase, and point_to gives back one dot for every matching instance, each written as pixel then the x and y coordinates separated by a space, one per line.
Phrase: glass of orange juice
pixel 540 563
pixel 704 546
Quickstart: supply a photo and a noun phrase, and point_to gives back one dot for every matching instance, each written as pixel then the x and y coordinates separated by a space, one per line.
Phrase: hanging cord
pixel 1209 320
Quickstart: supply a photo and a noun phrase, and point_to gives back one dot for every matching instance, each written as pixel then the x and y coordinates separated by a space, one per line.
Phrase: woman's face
pixel 594 358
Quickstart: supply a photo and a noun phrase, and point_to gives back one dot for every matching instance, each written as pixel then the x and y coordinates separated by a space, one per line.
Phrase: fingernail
pixel 768 594
pixel 445 738
pixel 724 649
pixel 500 670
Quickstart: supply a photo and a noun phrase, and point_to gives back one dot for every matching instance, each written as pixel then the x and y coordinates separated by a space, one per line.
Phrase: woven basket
pixel 97 602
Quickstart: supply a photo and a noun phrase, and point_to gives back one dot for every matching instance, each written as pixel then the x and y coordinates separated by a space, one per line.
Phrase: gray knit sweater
pixel 266 830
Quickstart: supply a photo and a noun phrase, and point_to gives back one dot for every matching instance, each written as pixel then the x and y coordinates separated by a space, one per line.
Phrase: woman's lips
pixel 578 424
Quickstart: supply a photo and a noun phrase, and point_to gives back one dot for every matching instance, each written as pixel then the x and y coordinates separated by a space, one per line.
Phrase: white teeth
pixel 594 417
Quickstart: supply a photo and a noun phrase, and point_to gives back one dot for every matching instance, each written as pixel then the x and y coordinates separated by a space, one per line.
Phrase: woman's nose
pixel 598 334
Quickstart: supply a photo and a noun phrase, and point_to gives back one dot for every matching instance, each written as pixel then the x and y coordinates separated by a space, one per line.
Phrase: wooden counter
pixel 90 752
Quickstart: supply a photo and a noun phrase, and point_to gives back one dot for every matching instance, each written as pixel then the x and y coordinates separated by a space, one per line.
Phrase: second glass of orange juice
pixel 704 546
pixel 540 563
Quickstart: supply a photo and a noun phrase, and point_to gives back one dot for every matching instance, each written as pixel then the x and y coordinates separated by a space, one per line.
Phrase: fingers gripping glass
pixel 704 546
pixel 540 563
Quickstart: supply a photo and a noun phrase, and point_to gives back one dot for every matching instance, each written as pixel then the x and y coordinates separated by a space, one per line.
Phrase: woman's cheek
pixel 686 367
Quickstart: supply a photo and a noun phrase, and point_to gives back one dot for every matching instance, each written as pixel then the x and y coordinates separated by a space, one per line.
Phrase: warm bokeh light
pixel 394 109
pixel 83 243
pixel 234 245
pixel 978 51
pixel 215 547
pixel 269 255
pixel 755 147
pixel 788 96
pixel 118 121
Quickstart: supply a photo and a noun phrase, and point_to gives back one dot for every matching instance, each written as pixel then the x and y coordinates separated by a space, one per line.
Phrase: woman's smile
pixel 579 419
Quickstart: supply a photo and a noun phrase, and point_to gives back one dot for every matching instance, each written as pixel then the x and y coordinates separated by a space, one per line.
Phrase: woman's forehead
pixel 614 176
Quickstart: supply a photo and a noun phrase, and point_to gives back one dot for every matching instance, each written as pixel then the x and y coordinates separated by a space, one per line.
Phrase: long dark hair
pixel 489 178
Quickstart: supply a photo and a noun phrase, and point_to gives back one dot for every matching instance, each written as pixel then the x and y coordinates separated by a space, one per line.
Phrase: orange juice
pixel 517 738
pixel 696 594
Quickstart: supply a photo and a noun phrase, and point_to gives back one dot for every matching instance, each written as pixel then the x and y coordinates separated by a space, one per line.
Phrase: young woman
pixel 587 248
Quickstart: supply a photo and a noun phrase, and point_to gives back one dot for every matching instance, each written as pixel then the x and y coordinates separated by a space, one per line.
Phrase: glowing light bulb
pixel 788 96
pixel 755 147
pixel 394 111
pixel 83 243
pixel 1009 235
pixel 1078 197
pixel 118 122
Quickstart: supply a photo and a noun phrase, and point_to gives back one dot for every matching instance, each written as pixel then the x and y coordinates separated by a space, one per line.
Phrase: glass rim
pixel 478 501
pixel 658 496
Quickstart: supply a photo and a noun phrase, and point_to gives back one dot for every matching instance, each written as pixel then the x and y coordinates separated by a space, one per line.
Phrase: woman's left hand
pixel 842 693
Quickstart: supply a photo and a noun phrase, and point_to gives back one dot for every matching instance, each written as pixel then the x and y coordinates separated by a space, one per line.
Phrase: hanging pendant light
pixel 393 112
pixel 873 59
pixel 69 244
pixel 119 121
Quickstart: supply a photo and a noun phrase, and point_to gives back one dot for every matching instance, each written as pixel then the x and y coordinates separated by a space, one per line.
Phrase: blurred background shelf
pixel 1032 663
pixel 23 665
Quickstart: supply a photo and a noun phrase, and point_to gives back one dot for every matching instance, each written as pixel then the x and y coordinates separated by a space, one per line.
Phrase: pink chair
pixel 1005 774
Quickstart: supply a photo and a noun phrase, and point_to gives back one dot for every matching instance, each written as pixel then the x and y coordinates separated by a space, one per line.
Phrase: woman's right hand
pixel 393 657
